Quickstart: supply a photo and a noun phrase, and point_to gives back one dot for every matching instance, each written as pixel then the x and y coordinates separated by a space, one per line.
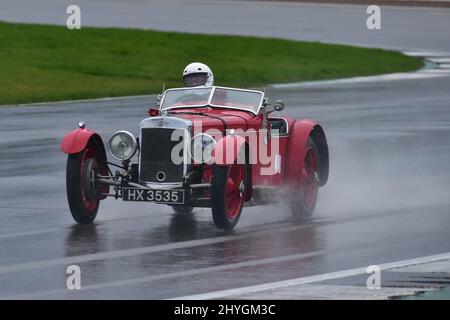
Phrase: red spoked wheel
pixel 82 193
pixel 305 201
pixel 227 195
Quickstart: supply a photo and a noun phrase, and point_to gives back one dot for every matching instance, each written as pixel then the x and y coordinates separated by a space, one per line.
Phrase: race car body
pixel 211 147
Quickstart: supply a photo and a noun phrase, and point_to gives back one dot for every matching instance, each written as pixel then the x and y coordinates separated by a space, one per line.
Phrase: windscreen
pixel 221 98
pixel 186 97
pixel 239 99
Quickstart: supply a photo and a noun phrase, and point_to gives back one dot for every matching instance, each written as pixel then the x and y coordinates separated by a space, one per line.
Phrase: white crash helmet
pixel 197 74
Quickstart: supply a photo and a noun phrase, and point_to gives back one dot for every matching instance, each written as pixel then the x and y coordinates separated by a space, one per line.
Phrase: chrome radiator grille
pixel 156 163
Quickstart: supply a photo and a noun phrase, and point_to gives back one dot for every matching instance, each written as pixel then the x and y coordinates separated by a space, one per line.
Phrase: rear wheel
pixel 305 200
pixel 82 193
pixel 227 195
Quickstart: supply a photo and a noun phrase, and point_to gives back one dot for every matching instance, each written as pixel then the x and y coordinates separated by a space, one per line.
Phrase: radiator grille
pixel 156 150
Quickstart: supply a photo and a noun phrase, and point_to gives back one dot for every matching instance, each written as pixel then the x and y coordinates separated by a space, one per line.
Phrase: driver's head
pixel 197 74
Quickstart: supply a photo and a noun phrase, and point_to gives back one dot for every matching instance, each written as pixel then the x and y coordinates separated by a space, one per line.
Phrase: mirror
pixel 278 105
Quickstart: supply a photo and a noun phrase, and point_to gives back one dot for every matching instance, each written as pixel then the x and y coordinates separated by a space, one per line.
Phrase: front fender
pixel 228 150
pixel 231 149
pixel 76 140
pixel 301 131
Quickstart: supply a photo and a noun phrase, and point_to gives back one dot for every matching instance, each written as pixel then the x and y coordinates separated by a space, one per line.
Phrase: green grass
pixel 47 63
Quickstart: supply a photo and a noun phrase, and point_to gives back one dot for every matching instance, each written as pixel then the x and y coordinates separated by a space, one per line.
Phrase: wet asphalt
pixel 387 199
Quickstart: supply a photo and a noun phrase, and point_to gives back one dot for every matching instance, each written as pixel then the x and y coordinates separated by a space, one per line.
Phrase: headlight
pixel 201 148
pixel 122 145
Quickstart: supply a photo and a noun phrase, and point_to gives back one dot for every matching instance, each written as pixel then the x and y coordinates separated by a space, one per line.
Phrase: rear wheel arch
pixel 303 200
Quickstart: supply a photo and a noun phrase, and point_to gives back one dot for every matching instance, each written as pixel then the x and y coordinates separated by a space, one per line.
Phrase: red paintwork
pixel 291 147
pixel 296 150
pixel 215 121
pixel 273 179
pixel 153 112
pixel 76 140
pixel 227 149
pixel 234 119
pixel 235 199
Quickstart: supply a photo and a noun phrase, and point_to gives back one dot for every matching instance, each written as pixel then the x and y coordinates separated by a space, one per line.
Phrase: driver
pixel 197 74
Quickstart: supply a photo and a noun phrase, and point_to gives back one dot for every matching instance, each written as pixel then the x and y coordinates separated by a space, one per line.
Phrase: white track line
pixel 139 251
pixel 312 279
pixel 439 60
pixel 177 274
pixel 381 78
pixel 422 54
pixel 441 71
pixel 192 272
pixel 32 265
pixel 30 233
pixel 435 57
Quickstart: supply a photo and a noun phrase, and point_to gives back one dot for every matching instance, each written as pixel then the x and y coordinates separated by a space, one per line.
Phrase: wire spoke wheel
pixel 304 201
pixel 311 183
pixel 87 188
pixel 82 193
pixel 227 195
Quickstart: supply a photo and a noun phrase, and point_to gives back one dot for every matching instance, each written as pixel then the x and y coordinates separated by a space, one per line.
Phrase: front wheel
pixel 227 195
pixel 304 202
pixel 82 194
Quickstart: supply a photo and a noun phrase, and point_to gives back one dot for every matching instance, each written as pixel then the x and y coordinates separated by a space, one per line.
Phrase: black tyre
pixel 82 194
pixel 304 201
pixel 227 195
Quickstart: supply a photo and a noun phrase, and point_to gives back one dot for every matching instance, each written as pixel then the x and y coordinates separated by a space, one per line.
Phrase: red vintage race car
pixel 214 147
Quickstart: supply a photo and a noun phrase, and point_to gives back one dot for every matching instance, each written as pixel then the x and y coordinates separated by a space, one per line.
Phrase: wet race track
pixel 387 199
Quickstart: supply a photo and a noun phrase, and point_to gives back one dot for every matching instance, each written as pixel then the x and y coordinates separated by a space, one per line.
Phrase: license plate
pixel 159 196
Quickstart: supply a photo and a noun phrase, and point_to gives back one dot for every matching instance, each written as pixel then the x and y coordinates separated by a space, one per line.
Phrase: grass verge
pixel 50 63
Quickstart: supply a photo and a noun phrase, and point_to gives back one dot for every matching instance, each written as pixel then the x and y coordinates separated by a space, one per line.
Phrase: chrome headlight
pixel 122 145
pixel 202 146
